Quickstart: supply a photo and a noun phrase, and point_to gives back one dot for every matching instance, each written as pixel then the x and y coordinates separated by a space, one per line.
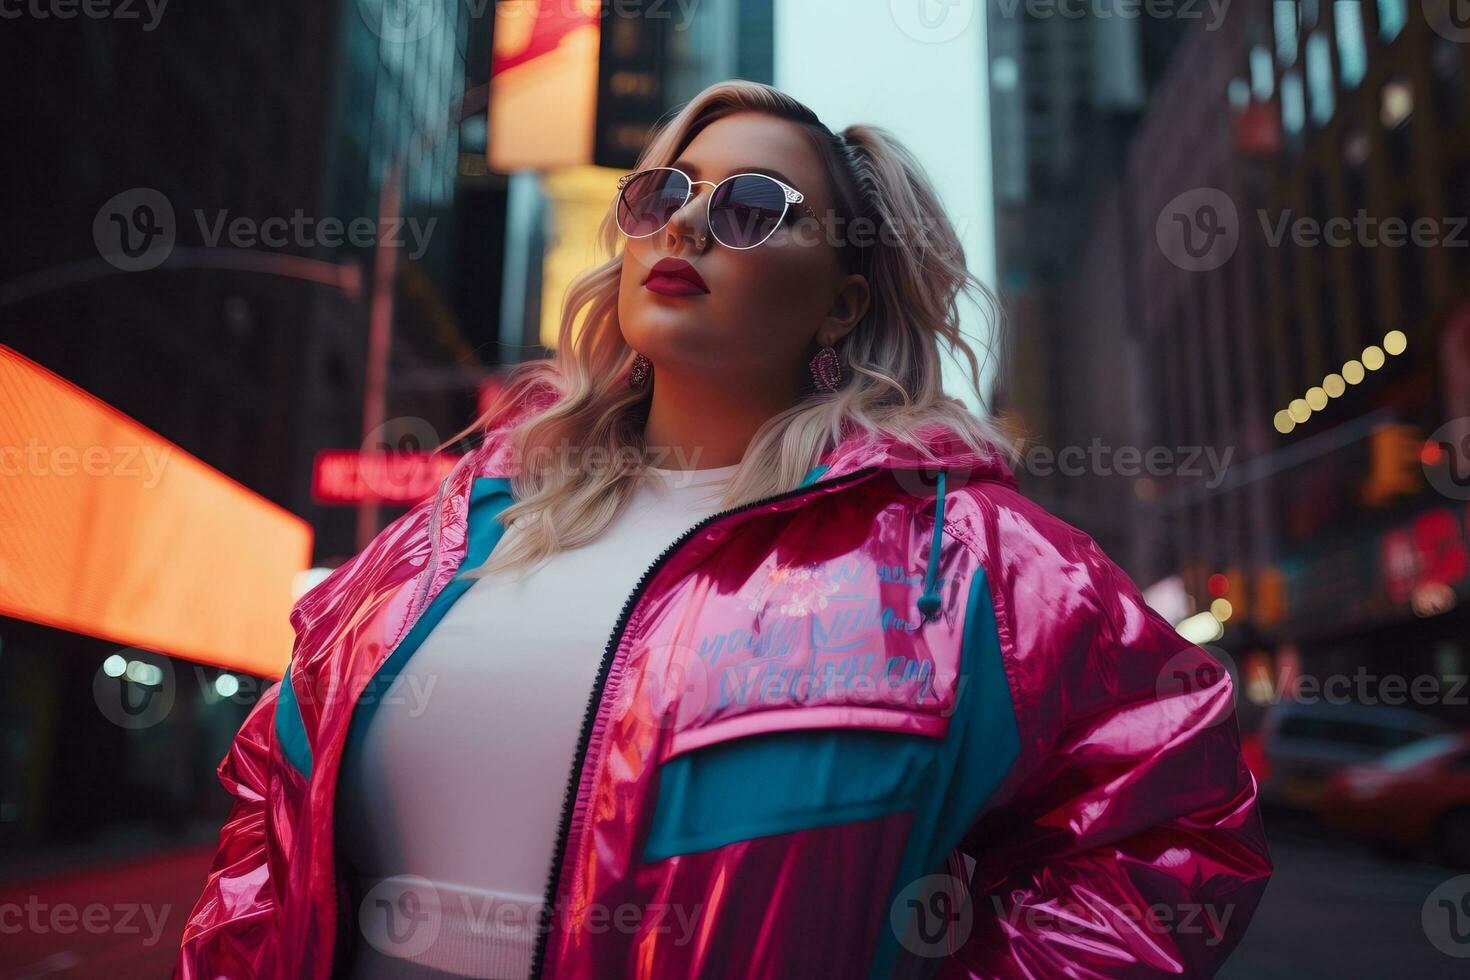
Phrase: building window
pixel 1457 199
pixel 1329 332
pixel 1365 281
pixel 1293 103
pixel 1352 55
pixel 1263 82
pixel 1392 16
pixel 1292 343
pixel 1448 79
pixel 1284 14
pixel 1412 285
pixel 1319 77
pixel 1396 103
pixel 1239 93
pixel 1355 150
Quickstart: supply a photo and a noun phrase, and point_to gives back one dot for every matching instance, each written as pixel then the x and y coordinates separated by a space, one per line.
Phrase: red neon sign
pixel 1429 551
pixel 351 476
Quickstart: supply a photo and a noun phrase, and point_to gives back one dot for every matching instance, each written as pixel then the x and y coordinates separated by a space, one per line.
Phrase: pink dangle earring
pixel 827 369
pixel 642 367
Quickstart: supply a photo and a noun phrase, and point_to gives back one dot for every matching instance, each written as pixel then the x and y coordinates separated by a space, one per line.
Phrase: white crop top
pixel 449 811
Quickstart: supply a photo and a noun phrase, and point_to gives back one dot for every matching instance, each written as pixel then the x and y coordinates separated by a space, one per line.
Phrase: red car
pixel 1415 796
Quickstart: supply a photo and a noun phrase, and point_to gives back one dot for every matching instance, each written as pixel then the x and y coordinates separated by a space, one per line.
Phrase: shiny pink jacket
pixel 876 726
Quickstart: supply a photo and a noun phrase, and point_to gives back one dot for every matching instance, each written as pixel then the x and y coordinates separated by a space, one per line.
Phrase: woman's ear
pixel 848 309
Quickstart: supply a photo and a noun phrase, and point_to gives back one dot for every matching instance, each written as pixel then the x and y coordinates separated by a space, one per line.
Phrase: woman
pixel 857 708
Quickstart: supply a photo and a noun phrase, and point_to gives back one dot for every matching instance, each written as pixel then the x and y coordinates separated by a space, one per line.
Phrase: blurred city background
pixel 263 259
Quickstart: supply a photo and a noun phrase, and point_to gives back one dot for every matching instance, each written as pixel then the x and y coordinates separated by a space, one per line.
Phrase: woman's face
pixel 765 305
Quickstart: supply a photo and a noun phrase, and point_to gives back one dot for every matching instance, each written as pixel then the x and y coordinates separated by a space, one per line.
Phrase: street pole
pixel 380 341
pixel 385 271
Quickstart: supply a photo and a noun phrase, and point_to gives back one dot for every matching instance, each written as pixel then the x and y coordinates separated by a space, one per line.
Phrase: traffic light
pixel 1394 468
pixel 1227 594
pixel 1270 597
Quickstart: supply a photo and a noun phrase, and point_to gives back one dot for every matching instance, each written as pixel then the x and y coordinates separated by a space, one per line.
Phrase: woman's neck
pixel 708 423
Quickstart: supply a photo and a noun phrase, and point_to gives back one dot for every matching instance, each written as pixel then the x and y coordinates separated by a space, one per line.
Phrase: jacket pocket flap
pixel 781 782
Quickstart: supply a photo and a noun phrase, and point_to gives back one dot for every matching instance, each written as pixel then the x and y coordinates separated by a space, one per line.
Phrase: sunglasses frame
pixel 790 194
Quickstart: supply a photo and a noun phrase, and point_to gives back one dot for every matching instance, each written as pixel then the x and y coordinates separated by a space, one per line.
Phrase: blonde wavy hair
pixel 580 459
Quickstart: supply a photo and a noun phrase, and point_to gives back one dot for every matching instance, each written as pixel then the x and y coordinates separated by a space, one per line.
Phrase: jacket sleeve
pixel 1129 842
pixel 230 931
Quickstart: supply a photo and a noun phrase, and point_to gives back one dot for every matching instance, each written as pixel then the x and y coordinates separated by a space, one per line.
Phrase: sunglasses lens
pixel 649 200
pixel 746 209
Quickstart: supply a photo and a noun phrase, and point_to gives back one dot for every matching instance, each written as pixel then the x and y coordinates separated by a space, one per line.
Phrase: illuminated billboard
pixel 543 89
pixel 109 530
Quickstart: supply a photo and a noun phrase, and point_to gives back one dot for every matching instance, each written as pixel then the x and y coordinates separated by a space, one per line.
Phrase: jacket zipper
pixel 609 654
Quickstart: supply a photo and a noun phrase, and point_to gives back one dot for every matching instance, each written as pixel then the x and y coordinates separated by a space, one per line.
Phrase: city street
pixel 122 921
pixel 950 397
pixel 1336 910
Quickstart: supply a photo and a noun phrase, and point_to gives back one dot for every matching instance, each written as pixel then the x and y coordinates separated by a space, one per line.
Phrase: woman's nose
pixel 689 225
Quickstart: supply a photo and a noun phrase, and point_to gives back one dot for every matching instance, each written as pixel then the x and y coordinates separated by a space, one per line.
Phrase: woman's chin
pixel 666 326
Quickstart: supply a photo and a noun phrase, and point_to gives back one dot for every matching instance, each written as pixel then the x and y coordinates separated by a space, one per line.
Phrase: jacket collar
pixel 948 451
pixel 858 449
pixel 948 457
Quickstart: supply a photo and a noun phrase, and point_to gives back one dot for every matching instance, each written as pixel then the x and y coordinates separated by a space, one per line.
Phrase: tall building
pixel 1279 274
pixel 1356 341
pixel 244 151
pixel 1066 92
pixel 177 126
pixel 221 114
pixel 409 110
pixel 1184 322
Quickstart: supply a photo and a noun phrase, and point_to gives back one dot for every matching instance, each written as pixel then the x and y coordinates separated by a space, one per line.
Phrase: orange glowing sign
pixel 109 530
pixel 543 91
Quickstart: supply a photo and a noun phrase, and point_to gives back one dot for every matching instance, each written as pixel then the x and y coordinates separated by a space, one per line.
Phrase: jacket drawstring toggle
pixel 929 601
